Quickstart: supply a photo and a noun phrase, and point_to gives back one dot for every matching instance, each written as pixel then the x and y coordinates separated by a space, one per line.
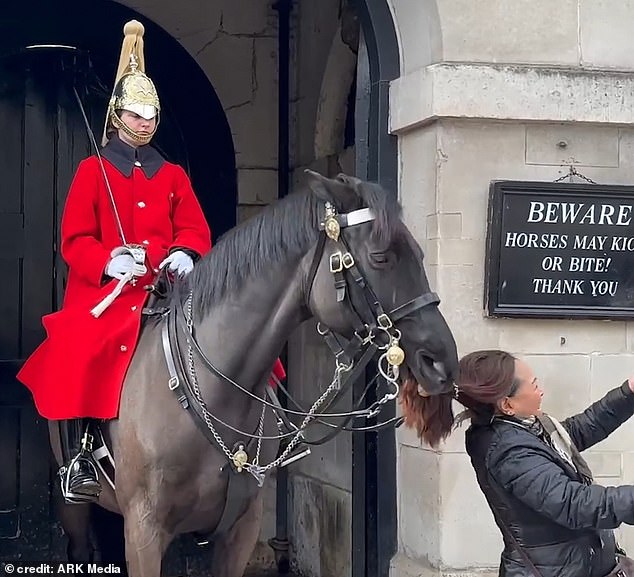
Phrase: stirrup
pixel 72 497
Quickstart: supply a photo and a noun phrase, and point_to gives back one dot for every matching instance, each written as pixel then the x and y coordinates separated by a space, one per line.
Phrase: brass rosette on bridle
pixel 134 91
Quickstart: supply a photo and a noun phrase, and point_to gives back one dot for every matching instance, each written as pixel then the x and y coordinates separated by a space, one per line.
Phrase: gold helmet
pixel 133 90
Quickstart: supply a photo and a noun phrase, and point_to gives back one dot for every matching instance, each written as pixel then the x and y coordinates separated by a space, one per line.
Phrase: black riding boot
pixel 79 474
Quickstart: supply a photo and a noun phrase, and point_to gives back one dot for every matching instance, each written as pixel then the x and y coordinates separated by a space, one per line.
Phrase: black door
pixel 42 139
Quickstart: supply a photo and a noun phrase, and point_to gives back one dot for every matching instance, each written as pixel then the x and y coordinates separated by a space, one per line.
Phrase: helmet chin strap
pixel 140 139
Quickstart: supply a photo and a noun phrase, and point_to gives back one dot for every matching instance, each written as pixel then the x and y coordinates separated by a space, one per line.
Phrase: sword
pixel 137 251
pixel 91 135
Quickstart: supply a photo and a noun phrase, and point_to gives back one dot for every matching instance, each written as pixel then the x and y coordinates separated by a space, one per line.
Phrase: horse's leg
pixel 233 551
pixel 75 520
pixel 146 538
pixel 108 531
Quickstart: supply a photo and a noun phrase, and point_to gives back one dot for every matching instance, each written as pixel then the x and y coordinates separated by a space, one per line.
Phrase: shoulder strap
pixel 507 532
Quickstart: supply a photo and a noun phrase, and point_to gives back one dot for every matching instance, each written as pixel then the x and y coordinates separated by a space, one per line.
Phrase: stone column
pixel 492 93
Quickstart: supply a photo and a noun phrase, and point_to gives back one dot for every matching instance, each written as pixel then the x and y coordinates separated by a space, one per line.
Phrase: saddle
pixel 156 306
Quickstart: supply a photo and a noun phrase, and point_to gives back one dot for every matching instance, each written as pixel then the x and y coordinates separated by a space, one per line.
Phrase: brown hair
pixel 485 377
pixel 432 417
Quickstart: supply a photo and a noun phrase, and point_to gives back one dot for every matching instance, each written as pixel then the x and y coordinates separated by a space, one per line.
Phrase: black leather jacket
pixel 563 523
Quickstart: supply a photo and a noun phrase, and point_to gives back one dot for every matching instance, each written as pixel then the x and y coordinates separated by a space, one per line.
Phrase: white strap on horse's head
pixel 333 222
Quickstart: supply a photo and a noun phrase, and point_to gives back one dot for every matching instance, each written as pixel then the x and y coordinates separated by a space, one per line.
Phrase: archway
pixel 44 140
pixel 194 130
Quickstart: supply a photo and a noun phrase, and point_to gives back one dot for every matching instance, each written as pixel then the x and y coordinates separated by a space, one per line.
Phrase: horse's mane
pixel 284 230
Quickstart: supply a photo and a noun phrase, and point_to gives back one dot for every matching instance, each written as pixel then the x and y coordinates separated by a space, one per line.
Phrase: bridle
pixel 369 319
pixel 374 333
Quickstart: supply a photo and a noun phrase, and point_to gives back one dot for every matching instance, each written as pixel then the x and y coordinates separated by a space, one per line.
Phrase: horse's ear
pixel 340 192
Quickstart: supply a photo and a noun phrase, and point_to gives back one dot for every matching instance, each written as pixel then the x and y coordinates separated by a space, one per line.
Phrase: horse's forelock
pixel 386 208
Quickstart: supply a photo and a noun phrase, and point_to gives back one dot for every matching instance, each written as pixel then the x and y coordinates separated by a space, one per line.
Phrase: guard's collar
pixel 124 157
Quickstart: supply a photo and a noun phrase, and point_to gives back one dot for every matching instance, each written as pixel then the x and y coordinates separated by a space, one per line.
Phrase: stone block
pixel 565 380
pixel 257 186
pixel 608 372
pixel 401 566
pixel 605 33
pixel 316 25
pixel 546 336
pixel 268 519
pixel 330 463
pixel 419 504
pixel 335 532
pixel 248 19
pixel 510 92
pixel 461 290
pixel 417 180
pixel 629 336
pixel 191 18
pixel 559 144
pixel 463 514
pixel 470 155
pixel 419 32
pixel 444 225
pixel 492 31
pixel 235 53
pixel 265 80
pixel 254 136
pixel 627 460
pixel 605 465
pixel 455 251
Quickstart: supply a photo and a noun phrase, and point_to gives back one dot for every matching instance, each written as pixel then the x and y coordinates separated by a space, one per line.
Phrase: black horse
pixel 337 251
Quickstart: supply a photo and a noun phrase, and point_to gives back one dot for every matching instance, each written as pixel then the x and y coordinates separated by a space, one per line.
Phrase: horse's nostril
pixel 441 370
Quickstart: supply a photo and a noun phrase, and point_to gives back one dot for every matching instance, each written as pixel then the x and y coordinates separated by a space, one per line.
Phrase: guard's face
pixel 137 124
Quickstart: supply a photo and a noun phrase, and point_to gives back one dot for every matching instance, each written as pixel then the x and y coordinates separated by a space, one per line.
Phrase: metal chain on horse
pixel 370 320
pixel 254 468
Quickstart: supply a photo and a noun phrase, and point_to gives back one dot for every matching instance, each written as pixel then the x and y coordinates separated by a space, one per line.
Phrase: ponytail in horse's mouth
pixel 432 417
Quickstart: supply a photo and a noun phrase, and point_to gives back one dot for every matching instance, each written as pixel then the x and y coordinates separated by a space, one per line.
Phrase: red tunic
pixel 78 371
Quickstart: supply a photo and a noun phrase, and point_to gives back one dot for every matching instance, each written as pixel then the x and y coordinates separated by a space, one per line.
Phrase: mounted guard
pixel 128 214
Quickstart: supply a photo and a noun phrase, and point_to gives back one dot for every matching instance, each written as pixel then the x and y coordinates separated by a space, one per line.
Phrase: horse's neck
pixel 244 333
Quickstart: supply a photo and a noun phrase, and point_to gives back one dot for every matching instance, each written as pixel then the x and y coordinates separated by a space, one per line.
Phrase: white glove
pixel 179 262
pixel 123 264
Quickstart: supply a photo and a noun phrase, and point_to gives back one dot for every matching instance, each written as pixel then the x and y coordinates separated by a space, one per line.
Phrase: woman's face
pixel 137 124
pixel 526 401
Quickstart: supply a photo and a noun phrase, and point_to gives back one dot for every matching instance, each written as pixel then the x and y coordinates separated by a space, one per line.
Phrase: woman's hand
pixel 630 382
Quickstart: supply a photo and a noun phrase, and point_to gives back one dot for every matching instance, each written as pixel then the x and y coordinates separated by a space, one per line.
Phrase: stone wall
pixel 236 47
pixel 487 91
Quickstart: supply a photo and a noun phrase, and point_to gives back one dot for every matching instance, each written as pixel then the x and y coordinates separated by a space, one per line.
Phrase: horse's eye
pixel 380 259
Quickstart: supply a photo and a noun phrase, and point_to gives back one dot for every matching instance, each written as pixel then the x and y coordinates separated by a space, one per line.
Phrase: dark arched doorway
pixel 46 49
pixel 194 131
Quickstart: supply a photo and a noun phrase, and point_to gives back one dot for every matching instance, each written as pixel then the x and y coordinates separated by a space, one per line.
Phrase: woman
pixel 555 521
